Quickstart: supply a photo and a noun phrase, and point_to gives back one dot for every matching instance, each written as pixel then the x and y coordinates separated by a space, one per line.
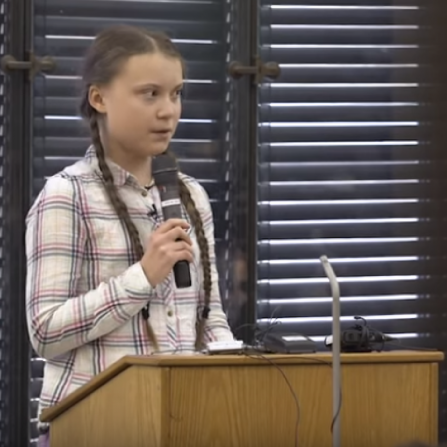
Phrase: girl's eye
pixel 150 94
pixel 179 93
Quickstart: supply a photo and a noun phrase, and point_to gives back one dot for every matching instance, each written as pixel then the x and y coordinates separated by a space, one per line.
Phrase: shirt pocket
pixel 110 247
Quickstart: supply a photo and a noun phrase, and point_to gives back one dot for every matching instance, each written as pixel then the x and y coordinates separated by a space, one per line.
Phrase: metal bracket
pixel 259 70
pixel 35 65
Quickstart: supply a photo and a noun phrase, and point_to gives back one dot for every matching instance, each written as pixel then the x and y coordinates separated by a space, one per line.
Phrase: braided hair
pixel 112 48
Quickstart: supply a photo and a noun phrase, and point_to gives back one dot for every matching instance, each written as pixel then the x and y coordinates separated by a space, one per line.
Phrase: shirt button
pixel 144 193
pixel 170 313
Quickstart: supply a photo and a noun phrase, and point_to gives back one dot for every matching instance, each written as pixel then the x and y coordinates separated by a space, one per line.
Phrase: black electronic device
pixel 288 343
pixel 361 338
pixel 165 174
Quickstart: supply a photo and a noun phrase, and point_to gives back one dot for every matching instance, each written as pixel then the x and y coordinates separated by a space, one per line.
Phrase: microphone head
pixel 164 169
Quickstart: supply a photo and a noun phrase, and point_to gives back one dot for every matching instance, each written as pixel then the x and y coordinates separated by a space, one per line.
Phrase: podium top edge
pixel 255 359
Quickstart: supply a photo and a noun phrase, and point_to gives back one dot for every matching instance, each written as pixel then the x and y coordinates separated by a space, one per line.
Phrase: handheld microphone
pixel 165 174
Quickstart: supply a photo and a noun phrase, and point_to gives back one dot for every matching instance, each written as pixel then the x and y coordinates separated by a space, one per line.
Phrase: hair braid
pixel 202 241
pixel 111 48
pixel 119 205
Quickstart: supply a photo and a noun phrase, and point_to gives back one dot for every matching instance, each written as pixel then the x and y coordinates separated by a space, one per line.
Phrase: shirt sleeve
pixel 59 319
pixel 216 327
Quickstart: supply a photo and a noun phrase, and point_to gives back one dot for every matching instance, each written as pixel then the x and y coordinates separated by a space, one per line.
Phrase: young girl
pixel 100 283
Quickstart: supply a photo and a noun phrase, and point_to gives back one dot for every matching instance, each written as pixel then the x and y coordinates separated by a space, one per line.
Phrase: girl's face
pixel 141 106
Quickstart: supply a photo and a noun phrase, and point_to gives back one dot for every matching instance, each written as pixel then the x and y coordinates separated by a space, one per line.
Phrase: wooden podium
pixel 240 401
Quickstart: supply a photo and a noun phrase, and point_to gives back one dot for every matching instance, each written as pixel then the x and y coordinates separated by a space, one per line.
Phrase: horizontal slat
pixel 63 127
pixel 76 147
pixel 283 172
pixel 352 73
pixel 332 112
pixel 320 307
pixel 345 210
pixel 343 151
pixel 346 228
pixel 315 54
pixel 340 131
pixel 291 191
pixel 59 106
pixel 380 286
pixel 342 248
pixel 352 267
pixel 316 13
pixel 82 26
pixel 68 87
pixel 346 34
pixel 324 328
pixel 339 92
pixel 176 10
pixel 393 5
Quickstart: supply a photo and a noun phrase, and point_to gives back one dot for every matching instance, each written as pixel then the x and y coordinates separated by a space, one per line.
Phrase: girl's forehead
pixel 154 68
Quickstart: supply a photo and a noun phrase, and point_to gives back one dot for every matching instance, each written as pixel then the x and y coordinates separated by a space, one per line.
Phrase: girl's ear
pixel 96 99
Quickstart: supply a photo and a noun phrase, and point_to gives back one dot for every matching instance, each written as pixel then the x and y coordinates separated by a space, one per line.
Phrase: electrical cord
pixel 259 338
pixel 269 328
pixel 253 326
pixel 261 354
pixel 258 331
pixel 257 354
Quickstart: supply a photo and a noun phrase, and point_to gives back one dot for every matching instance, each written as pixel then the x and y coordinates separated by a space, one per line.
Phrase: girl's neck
pixel 139 167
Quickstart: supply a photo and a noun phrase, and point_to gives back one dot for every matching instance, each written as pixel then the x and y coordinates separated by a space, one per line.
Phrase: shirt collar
pixel 120 175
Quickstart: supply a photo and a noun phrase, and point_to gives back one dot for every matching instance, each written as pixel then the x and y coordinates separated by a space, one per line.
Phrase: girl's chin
pixel 156 148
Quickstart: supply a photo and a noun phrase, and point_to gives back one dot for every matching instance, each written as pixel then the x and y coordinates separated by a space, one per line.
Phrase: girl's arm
pixel 59 319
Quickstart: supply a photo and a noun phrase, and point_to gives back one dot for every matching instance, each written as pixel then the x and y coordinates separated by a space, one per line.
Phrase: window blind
pixel 63 30
pixel 343 167
pixel 351 166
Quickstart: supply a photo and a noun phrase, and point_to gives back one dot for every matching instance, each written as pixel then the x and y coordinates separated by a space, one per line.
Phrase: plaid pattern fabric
pixel 85 289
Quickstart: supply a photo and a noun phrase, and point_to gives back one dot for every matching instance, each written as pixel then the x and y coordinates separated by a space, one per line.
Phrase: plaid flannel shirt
pixel 85 289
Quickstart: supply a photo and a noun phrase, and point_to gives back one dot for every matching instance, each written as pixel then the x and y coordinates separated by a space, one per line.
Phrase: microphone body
pixel 165 174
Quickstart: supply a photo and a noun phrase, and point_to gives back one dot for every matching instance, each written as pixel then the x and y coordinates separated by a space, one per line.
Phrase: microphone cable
pixel 254 353
pixel 258 351
pixel 270 327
